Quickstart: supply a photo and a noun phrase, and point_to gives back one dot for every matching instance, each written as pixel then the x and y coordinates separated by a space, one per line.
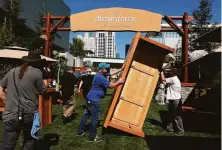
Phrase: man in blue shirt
pixel 96 94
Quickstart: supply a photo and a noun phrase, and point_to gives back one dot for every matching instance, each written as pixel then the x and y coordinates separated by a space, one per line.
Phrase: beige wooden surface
pixel 131 101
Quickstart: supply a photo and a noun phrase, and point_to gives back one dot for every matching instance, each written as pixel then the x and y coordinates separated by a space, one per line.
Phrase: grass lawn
pixel 63 137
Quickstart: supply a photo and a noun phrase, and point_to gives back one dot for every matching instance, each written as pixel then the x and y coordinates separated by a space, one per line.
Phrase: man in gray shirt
pixel 23 85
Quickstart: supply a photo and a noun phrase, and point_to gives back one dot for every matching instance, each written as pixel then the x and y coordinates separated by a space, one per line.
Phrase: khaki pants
pixel 68 109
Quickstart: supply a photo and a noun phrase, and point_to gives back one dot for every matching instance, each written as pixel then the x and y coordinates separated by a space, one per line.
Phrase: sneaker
pixel 82 134
pixel 179 133
pixel 96 140
pixel 169 130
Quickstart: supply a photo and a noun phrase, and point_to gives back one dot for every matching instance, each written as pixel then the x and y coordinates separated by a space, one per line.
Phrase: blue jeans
pixel 92 110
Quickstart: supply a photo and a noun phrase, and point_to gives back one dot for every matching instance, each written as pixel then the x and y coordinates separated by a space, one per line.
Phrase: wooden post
pixel 185 47
pixel 50 41
pixel 41 109
pixel 47 42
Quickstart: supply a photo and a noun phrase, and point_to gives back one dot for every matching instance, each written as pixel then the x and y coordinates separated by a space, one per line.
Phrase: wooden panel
pixel 135 94
pixel 124 74
pixel 149 99
pixel 131 101
pixel 130 114
pixel 138 82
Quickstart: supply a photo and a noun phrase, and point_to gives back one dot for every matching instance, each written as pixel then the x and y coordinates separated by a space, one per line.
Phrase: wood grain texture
pixel 128 62
pixel 131 101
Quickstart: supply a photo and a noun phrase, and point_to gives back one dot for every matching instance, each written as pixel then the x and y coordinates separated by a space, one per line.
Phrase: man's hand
pixel 121 81
pixel 79 90
pixel 2 94
pixel 162 73
pixel 123 66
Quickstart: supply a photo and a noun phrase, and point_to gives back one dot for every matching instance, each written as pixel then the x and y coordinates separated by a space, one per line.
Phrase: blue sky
pixel 164 7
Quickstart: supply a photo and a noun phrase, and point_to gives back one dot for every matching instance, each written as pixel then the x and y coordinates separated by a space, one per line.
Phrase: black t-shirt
pixel 68 81
pixel 87 82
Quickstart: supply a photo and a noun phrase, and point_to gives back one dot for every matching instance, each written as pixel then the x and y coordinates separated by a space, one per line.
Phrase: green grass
pixel 111 141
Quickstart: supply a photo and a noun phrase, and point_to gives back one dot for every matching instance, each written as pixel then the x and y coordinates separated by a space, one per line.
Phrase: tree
pixel 201 25
pixel 77 48
pixel 6 37
pixel 10 30
pixel 13 26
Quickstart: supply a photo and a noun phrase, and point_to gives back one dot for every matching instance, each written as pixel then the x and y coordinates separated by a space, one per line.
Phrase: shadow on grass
pixel 182 143
pixel 82 106
pixel 109 94
pixel 47 141
pixel 155 122
pixel 87 126
pixel 53 117
pixel 197 122
pixel 113 131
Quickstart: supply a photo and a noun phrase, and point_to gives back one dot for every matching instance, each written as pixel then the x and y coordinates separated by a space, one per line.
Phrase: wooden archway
pixel 183 32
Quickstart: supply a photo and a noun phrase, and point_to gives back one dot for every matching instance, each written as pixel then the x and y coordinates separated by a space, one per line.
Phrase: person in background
pixel 47 75
pixel 23 83
pixel 86 82
pixel 174 97
pixel 95 95
pixel 68 82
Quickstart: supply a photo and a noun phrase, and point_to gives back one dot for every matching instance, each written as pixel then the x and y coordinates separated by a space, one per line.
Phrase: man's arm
pixel 2 93
pixel 115 84
pixel 163 78
pixel 80 85
pixel 3 85
pixel 118 71
pixel 41 86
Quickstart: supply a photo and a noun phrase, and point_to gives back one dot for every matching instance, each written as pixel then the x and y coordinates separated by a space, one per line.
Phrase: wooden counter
pixel 45 108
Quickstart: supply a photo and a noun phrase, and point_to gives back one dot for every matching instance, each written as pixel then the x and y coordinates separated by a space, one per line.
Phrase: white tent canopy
pixel 18 53
pixel 197 54
pixel 217 49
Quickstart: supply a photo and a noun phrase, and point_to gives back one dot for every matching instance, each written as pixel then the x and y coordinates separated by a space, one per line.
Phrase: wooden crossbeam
pixel 59 24
pixel 174 25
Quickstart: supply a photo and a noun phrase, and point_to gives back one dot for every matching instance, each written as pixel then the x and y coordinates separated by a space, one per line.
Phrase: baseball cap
pixel 103 65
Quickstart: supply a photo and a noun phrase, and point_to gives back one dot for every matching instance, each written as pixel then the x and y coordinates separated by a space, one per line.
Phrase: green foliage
pixel 6 37
pixel 13 22
pixel 5 68
pixel 201 25
pixel 77 48
pixel 60 66
pixel 11 30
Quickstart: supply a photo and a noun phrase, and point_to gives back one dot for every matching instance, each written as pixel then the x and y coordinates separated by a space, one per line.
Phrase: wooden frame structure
pixel 50 29
pixel 131 101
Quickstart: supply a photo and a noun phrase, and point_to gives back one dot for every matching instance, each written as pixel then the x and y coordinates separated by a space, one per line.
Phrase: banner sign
pixel 116 19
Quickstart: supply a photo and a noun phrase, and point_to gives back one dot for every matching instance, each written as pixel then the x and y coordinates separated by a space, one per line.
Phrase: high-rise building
pixel 127 49
pixel 89 43
pixel 105 44
pixel 102 44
